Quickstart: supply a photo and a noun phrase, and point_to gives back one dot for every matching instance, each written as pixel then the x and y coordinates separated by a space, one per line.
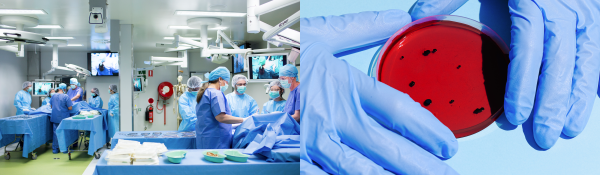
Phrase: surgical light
pixel 21 12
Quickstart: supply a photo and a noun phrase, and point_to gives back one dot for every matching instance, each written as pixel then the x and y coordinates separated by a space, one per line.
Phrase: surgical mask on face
pixel 72 86
pixel 274 94
pixel 109 91
pixel 285 83
pixel 29 90
pixel 241 89
pixel 224 88
pixel 195 93
pixel 93 94
pixel 52 94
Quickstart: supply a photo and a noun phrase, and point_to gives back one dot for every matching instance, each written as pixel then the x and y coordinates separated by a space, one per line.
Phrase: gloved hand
pixel 25 109
pixel 111 114
pixel 554 68
pixel 353 124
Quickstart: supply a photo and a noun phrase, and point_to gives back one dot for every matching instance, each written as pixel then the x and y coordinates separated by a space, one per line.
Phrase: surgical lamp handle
pixel 18 34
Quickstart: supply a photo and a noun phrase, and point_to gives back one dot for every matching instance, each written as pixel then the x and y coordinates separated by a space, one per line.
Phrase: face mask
pixel 109 91
pixel 224 88
pixel 52 94
pixel 195 93
pixel 72 86
pixel 94 95
pixel 241 89
pixel 29 90
pixel 274 94
pixel 285 83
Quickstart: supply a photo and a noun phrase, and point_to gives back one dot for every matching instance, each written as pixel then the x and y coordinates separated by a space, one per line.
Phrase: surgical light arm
pixel 68 67
pixel 279 33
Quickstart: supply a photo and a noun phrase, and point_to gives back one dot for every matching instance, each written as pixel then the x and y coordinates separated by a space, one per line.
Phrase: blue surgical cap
pixel 73 81
pixel 62 86
pixel 219 72
pixel 288 71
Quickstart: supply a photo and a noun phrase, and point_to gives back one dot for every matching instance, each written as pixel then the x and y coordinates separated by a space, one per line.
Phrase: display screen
pixel 104 64
pixel 238 62
pixel 266 66
pixel 42 88
pixel 137 84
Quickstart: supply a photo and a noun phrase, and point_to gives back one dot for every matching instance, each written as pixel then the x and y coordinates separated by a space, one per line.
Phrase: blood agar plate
pixel 453 66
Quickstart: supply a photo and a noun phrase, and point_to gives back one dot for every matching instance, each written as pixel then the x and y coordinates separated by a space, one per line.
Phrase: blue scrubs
pixel 106 71
pixel 114 119
pixel 242 105
pixel 210 133
pixel 22 101
pixel 60 104
pixel 73 92
pixel 255 67
pixel 187 110
pixel 293 102
pixel 96 102
pixel 273 106
pixel 46 101
pixel 266 74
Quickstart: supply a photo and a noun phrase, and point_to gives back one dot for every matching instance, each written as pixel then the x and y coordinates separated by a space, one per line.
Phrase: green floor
pixel 46 163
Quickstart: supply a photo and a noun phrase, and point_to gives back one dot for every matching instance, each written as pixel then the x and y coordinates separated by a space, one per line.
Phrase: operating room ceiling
pixel 150 19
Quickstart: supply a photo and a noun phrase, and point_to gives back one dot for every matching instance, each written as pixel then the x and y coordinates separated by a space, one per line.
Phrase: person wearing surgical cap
pixel 213 128
pixel 187 105
pixel 96 100
pixel 60 104
pixel 23 98
pixel 288 76
pixel 75 92
pixel 113 111
pixel 241 104
pixel 47 99
pixel 103 69
pixel 263 71
pixel 276 102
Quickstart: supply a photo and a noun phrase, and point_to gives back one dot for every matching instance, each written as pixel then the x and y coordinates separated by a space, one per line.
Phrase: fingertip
pixel 450 148
pixel 545 136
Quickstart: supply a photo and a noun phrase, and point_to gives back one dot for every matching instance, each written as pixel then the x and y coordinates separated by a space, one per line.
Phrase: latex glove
pixel 33 109
pixel 553 73
pixel 112 115
pixel 353 124
pixel 25 109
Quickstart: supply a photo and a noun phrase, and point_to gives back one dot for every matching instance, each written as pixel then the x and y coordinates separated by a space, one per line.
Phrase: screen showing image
pixel 42 88
pixel 266 66
pixel 238 62
pixel 105 64
pixel 137 84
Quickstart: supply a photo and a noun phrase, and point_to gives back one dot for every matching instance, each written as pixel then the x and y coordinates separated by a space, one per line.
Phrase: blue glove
pixel 353 124
pixel 554 68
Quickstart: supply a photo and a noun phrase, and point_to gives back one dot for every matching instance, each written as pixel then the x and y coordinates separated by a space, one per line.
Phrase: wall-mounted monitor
pixel 42 88
pixel 238 62
pixel 266 66
pixel 103 63
pixel 137 84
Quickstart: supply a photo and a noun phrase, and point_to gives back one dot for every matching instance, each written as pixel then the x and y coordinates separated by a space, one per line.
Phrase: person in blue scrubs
pixel 23 98
pixel 61 104
pixel 263 71
pixel 288 75
pixel 47 99
pixel 276 102
pixel 75 92
pixel 96 101
pixel 187 105
pixel 241 104
pixel 213 128
pixel 102 69
pixel 255 66
pixel 113 111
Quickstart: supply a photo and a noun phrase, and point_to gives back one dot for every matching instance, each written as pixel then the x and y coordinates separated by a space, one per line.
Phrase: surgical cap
pixel 262 60
pixel 235 79
pixel 62 86
pixel 288 71
pixel 221 72
pixel 277 83
pixel 194 82
pixel 113 87
pixel 78 84
pixel 73 81
pixel 26 84
pixel 96 91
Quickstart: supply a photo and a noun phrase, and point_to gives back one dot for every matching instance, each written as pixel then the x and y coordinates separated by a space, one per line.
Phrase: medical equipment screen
pixel 104 64
pixel 42 88
pixel 137 84
pixel 266 66
pixel 238 62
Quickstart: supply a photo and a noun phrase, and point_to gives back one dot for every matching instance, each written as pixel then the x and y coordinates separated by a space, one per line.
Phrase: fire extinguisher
pixel 149 114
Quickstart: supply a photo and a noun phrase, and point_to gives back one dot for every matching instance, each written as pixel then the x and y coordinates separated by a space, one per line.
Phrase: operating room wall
pixel 14 72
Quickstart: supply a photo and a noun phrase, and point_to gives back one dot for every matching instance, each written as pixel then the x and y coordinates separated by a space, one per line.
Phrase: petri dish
pixel 453 66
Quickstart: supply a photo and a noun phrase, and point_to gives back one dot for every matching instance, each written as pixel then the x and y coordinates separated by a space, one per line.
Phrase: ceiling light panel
pixel 193 38
pixel 47 27
pixel 205 13
pixel 21 12
pixel 59 37
pixel 74 45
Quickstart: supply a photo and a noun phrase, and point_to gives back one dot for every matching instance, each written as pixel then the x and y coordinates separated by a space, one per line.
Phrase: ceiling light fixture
pixel 59 37
pixel 6 26
pixel 193 38
pixel 205 13
pixel 70 45
pixel 47 27
pixel 22 12
pixel 187 27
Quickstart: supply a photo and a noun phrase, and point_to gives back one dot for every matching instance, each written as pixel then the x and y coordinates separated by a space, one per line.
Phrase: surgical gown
pixel 187 110
pixel 60 110
pixel 106 71
pixel 241 105
pixel 273 106
pixel 96 102
pixel 266 74
pixel 73 92
pixel 210 133
pixel 22 101
pixel 255 67
pixel 113 111
pixel 293 102
pixel 46 101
